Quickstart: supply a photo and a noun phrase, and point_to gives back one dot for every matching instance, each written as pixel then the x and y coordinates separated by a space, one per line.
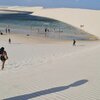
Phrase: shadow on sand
pixel 47 91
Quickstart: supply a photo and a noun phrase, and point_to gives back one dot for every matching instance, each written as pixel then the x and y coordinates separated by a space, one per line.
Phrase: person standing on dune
pixel 9 41
pixel 74 42
pixel 3 56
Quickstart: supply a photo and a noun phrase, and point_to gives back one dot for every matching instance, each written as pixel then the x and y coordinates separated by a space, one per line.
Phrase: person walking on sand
pixel 9 41
pixel 8 30
pixel 74 42
pixel 3 56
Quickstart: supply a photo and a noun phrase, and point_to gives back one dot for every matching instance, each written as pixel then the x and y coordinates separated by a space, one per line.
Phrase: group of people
pixel 7 30
pixel 4 56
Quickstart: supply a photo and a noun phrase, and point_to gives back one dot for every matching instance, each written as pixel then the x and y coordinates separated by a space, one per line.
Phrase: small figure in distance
pixel 1 33
pixel 3 56
pixel 9 41
pixel 8 30
pixel 46 29
pixel 74 42
pixel 28 35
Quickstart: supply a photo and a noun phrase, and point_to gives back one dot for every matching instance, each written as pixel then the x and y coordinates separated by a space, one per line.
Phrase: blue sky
pixel 87 4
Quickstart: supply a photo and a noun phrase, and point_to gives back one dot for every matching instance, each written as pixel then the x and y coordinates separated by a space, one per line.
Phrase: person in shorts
pixel 3 56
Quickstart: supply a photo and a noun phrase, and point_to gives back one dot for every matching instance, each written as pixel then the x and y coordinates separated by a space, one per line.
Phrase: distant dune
pixel 76 17
pixel 40 68
pixel 88 20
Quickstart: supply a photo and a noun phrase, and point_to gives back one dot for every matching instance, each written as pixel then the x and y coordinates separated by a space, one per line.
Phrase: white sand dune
pixel 44 69
pixel 75 17
pixel 40 69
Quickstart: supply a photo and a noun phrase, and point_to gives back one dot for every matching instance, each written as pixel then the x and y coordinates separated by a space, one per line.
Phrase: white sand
pixel 75 17
pixel 40 69
pixel 43 69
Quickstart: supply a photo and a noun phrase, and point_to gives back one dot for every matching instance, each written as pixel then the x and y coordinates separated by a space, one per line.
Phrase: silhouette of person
pixel 3 56
pixel 46 32
pixel 1 33
pixel 8 30
pixel 74 42
pixel 9 40
pixel 46 29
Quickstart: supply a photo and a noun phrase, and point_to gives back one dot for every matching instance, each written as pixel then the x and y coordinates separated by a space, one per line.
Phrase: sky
pixel 86 4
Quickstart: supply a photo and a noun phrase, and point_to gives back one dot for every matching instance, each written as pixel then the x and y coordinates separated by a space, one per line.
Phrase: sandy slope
pixel 50 71
pixel 76 17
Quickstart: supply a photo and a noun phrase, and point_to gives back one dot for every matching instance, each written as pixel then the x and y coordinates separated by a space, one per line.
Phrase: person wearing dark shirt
pixel 3 56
